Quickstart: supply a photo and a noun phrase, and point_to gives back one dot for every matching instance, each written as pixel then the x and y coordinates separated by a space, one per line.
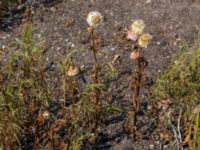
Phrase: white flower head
pixel 144 40
pixel 138 26
pixel 46 114
pixel 94 18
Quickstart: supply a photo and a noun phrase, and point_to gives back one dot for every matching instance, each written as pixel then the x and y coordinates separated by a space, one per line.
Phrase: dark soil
pixel 62 25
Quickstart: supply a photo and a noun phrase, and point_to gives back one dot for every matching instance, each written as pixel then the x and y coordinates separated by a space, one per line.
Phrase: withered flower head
pixel 135 55
pixel 45 114
pixel 72 70
pixel 138 26
pixel 94 18
pixel 144 40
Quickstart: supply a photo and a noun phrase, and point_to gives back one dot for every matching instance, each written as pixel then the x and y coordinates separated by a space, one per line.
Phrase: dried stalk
pixel 71 84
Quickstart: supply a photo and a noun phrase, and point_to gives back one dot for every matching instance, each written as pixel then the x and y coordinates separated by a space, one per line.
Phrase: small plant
pixel 69 71
pixel 94 19
pixel 89 106
pixel 138 80
pixel 6 3
pixel 25 93
pixel 92 107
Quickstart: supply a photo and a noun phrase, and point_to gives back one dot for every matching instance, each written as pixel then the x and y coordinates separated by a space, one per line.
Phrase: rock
pixel 151 147
pixel 112 49
pixel 148 1
pixel 53 9
pixel 158 43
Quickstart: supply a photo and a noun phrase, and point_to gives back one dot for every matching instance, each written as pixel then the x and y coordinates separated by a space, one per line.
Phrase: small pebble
pixel 4 37
pixel 72 45
pixel 165 147
pixel 171 27
pixel 58 48
pixel 175 43
pixel 53 9
pixel 112 49
pixel 157 142
pixel 149 107
pixel 158 43
pixel 148 1
pixel 39 36
pixel 82 67
pixel 3 47
pixel 66 40
pixel 152 147
pixel 20 7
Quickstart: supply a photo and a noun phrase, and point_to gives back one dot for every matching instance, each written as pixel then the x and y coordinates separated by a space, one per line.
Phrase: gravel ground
pixel 62 25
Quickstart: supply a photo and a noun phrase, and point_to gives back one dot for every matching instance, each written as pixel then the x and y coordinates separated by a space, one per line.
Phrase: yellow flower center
pixel 96 19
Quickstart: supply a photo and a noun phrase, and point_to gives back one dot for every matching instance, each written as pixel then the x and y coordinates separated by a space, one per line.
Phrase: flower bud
pixel 135 55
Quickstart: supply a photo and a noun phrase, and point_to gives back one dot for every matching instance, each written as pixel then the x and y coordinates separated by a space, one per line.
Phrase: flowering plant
pixel 137 35
pixel 94 19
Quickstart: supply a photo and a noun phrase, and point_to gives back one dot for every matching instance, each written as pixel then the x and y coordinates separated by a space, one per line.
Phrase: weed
pixel 180 84
pixel 138 80
pixel 6 3
pixel 25 93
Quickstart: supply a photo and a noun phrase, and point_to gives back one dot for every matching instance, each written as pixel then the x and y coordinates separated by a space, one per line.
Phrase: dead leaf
pixel 60 123
pixel 69 23
pixel 196 109
pixel 116 57
pixel 165 136
pixel 40 119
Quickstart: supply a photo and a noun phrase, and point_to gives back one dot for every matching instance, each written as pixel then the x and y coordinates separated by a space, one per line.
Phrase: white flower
pixel 138 26
pixel 144 40
pixel 94 18
pixel 45 114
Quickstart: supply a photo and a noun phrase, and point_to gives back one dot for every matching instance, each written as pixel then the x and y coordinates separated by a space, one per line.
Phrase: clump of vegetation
pixel 25 91
pixel 4 4
pixel 138 79
pixel 93 107
pixel 179 86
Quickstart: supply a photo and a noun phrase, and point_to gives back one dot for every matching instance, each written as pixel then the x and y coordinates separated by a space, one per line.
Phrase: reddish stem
pixel 93 46
pixel 72 97
pixel 136 99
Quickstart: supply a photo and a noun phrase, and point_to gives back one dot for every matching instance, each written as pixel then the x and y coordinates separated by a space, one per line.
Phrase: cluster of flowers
pixel 136 32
